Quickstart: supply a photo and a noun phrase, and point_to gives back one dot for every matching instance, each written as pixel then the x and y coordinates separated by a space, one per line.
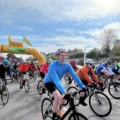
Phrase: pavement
pixel 27 106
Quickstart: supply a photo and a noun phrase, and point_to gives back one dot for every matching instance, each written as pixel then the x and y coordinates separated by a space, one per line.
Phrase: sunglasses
pixel 90 64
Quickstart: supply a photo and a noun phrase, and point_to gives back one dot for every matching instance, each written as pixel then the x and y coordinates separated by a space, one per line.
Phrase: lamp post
pixel 84 55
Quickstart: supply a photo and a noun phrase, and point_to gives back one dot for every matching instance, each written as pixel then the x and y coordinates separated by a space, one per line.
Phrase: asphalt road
pixel 27 106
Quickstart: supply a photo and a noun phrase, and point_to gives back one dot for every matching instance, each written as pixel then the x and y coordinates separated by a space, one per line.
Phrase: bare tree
pixel 107 38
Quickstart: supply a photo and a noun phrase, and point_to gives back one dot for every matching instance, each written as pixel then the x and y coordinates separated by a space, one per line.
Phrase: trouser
pixel 9 71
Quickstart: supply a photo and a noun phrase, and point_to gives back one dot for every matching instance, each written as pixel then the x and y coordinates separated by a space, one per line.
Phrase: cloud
pixel 66 30
pixel 72 10
pixel 51 44
pixel 96 32
pixel 25 28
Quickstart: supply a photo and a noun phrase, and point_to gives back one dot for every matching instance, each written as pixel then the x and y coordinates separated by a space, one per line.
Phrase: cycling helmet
pixel 5 62
pixel 49 61
pixel 60 51
pixel 73 61
pixel 109 62
pixel 89 61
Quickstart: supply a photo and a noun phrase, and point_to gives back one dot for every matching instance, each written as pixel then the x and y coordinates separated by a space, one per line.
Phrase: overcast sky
pixel 53 24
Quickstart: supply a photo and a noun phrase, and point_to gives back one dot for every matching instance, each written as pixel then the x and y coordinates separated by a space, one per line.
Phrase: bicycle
pixel 15 75
pixel 40 87
pixel 114 90
pixel 113 87
pixel 74 115
pixel 68 80
pixel 95 97
pixel 4 92
pixel 32 75
pixel 25 82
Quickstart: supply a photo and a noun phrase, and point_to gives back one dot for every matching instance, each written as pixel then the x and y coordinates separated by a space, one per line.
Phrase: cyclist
pixel 85 73
pixel 103 70
pixel 75 68
pixel 32 68
pixel 14 70
pixel 28 64
pixel 116 70
pixel 3 68
pixel 23 70
pixel 9 69
pixel 43 71
pixel 53 83
pixel 73 64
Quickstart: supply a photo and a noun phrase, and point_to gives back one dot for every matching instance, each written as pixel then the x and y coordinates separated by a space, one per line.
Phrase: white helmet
pixel 89 61
pixel 49 61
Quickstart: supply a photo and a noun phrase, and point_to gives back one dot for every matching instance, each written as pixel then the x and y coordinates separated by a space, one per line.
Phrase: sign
pixel 17 50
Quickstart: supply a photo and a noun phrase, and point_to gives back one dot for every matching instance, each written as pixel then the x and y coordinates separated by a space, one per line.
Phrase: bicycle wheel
pixel 26 85
pixel 100 104
pixel 114 90
pixel 75 84
pixel 34 76
pixel 67 81
pixel 77 116
pixel 16 78
pixel 50 95
pixel 39 86
pixel 5 95
pixel 77 97
pixel 46 109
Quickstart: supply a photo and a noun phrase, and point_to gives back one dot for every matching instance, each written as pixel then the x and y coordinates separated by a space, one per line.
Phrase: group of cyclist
pixel 11 70
pixel 53 71
pixel 88 74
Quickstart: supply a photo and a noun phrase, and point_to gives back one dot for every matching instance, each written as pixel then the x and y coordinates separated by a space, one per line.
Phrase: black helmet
pixel 109 62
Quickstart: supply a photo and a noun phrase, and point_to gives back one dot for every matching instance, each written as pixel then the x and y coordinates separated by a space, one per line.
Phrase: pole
pixel 84 55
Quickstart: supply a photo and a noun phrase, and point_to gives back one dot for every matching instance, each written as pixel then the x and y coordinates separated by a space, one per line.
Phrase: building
pixel 75 51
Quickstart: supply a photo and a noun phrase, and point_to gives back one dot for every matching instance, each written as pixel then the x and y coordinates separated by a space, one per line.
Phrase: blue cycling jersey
pixel 57 70
pixel 100 67
pixel 116 68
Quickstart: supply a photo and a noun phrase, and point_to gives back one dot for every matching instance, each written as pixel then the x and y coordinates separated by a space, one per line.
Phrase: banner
pixel 17 50
pixel 26 41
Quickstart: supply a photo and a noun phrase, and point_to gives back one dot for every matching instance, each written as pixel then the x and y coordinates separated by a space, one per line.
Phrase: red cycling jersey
pixel 44 68
pixel 74 66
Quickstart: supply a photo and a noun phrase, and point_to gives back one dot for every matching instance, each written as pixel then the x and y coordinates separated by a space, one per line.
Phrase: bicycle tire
pixel 90 103
pixel 67 81
pixel 27 84
pixel 114 84
pixel 77 116
pixel 39 86
pixel 5 102
pixel 77 98
pixel 48 110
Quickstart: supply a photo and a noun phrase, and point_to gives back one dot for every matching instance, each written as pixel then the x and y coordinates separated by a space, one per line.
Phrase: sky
pixel 53 24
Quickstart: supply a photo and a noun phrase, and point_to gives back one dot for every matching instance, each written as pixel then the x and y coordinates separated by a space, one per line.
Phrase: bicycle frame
pixel 71 108
pixel 90 90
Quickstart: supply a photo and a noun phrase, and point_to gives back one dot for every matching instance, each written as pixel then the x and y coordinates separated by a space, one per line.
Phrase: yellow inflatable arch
pixel 17 48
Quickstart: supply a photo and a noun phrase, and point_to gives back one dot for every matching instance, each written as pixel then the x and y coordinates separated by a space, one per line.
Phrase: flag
pixel 26 41
pixel 9 38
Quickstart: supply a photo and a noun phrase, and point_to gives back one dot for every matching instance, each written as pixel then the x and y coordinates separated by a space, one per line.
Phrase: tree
pixel 94 53
pixel 30 58
pixel 107 38
pixel 53 57
pixel 80 55
pixel 116 48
